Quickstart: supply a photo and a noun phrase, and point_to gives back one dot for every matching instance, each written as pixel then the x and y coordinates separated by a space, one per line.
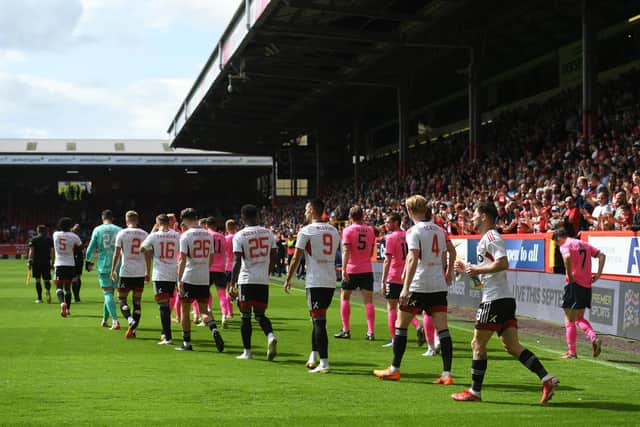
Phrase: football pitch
pixel 72 371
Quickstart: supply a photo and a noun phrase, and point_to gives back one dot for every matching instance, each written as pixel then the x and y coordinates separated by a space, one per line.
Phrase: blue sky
pixel 101 68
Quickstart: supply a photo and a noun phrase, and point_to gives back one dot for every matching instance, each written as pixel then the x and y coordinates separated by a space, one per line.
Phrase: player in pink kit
pixel 577 291
pixel 358 242
pixel 391 285
pixel 231 227
pixel 217 268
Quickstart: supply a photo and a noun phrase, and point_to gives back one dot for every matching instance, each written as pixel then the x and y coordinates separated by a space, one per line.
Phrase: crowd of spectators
pixel 535 165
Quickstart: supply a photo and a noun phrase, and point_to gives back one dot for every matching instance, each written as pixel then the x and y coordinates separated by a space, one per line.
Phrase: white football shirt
pixel 320 242
pixel 490 248
pixel 255 244
pixel 165 245
pixel 430 240
pixel 133 262
pixel 63 243
pixel 196 243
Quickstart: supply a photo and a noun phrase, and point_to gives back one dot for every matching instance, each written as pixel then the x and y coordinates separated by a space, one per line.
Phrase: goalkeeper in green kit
pixel 103 240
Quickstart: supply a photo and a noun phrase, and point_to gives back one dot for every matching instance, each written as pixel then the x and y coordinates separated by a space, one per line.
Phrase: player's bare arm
pixel 385 273
pixel 235 272
pixel 451 251
pixel 181 266
pixel 114 263
pixel 567 268
pixel 602 258
pixel 409 271
pixel 346 254
pixel 498 265
pixel 295 261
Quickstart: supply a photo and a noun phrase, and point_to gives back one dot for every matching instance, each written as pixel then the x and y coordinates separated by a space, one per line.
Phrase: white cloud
pixel 37 24
pixel 130 21
pixel 142 109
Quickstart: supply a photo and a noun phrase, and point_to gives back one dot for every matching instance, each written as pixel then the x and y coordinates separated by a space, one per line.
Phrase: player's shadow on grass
pixel 526 387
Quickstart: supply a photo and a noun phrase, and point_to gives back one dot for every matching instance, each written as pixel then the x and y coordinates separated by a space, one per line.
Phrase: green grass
pixel 71 371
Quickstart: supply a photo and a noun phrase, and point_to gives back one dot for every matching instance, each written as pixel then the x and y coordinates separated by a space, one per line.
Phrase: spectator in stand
pixel 573 216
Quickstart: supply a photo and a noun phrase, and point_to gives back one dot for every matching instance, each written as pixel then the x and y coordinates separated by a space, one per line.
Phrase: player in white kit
pixel 161 248
pixel 64 244
pixel 497 311
pixel 196 255
pixel 134 270
pixel 424 288
pixel 319 242
pixel 255 253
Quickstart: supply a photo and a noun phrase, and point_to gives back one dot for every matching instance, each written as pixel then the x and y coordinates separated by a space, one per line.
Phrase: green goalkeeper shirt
pixel 103 239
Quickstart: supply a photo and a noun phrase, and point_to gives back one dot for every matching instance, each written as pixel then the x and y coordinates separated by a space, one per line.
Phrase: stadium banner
pixel 622 249
pixel 629 319
pixel 524 252
pixel 14 249
pixel 108 160
pixel 539 296
pixel 570 63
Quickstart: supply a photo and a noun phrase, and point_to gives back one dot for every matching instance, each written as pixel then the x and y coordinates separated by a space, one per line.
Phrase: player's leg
pixel 405 315
pixel 123 294
pixel 163 292
pixel 261 302
pixel 365 282
pixel 509 338
pixel 439 315
pixel 570 333
pixel 207 317
pixel 185 302
pixel 46 277
pixel 175 305
pixel 583 301
pixel 429 334
pixel 319 300
pixel 67 295
pixel 345 310
pixel 75 287
pixel 478 363
pixel 245 305
pixel 196 311
pixel 392 317
pixel 137 306
pixel 37 274
pixel 222 298
pixel 227 276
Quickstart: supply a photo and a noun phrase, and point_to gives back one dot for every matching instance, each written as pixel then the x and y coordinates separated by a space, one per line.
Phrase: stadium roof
pixel 108 152
pixel 297 65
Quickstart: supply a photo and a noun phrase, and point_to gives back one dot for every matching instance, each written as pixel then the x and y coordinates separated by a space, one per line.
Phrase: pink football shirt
pixel 397 248
pixel 360 240
pixel 581 254
pixel 228 252
pixel 219 252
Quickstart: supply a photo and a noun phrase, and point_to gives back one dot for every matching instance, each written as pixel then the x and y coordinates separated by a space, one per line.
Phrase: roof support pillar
pixel 403 124
pixel 317 142
pixel 474 107
pixel 356 135
pixel 589 72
